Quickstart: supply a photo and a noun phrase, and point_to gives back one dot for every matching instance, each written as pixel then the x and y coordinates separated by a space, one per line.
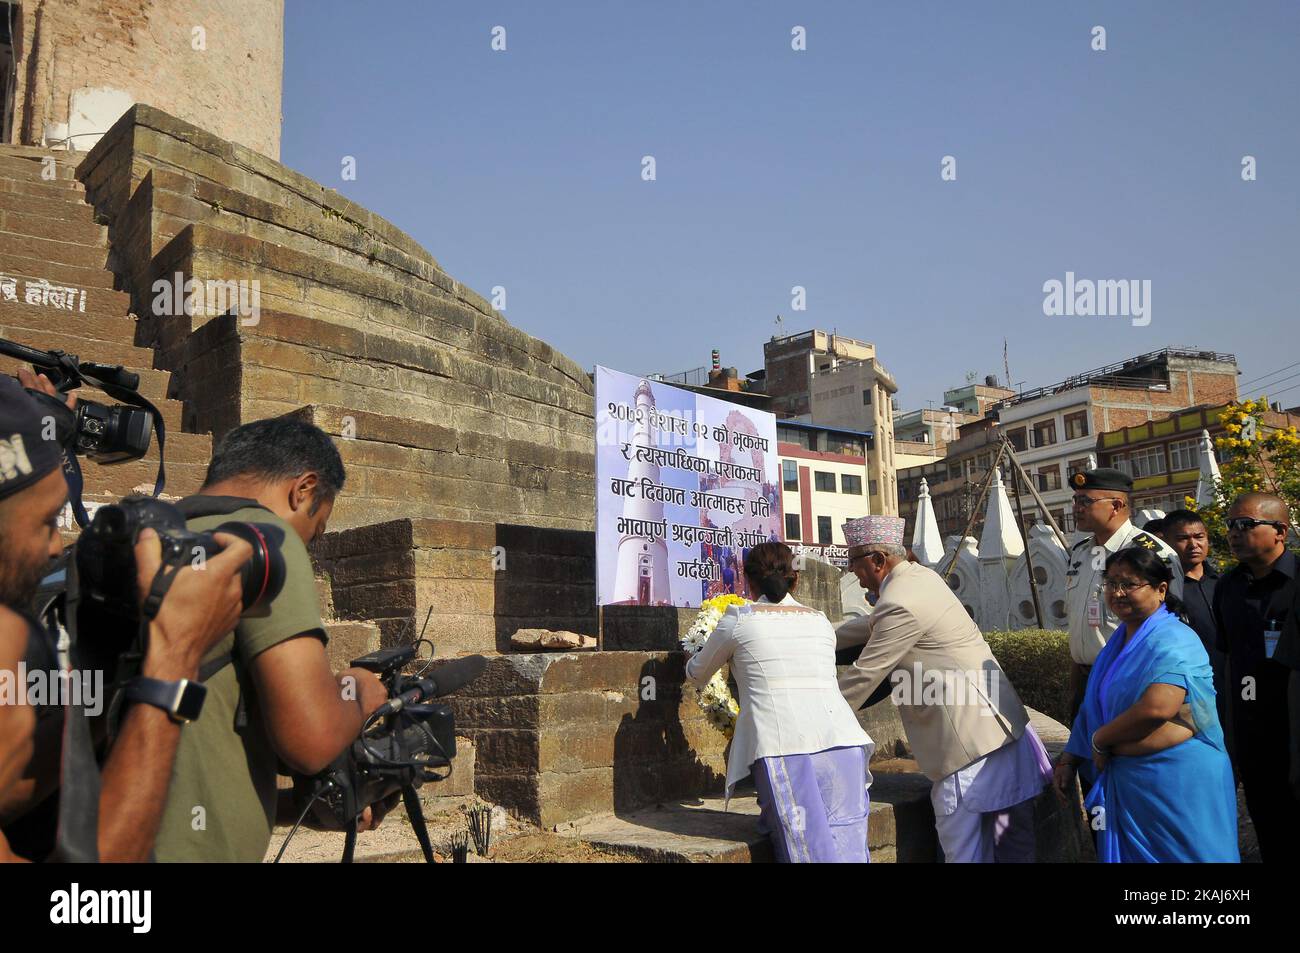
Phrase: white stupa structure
pixel 927 544
pixel 1208 481
pixel 642 573
pixel 1000 538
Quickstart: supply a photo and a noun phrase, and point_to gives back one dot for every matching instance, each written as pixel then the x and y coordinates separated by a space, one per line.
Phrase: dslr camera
pixel 105 569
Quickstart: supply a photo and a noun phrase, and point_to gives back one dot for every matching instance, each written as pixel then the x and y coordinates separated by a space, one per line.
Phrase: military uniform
pixel 1091 621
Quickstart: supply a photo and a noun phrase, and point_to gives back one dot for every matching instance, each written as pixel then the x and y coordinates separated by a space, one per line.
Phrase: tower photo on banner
pixel 685 486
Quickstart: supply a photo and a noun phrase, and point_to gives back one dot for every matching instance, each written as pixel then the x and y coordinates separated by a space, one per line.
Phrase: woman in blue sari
pixel 1164 791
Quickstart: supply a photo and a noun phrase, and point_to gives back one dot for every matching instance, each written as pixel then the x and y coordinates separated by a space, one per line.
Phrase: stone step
pixel 65 191
pixel 35 167
pixel 93 324
pixel 900 827
pixel 76 254
pixel 71 208
pixel 102 352
pixel 39 226
pixel 12 263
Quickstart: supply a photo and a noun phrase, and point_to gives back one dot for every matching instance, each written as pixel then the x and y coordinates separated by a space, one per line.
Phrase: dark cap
pixel 1103 478
pixel 25 455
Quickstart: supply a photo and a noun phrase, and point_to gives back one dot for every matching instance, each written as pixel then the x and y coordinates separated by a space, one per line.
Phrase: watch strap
pixel 171 697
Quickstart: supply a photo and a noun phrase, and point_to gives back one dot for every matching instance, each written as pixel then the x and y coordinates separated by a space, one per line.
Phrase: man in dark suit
pixel 1251 606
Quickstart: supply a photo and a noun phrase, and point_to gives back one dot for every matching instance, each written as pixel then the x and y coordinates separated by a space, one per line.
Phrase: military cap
pixel 1103 478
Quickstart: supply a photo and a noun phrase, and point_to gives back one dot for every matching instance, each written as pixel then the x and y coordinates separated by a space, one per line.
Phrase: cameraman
pixel 198 609
pixel 271 694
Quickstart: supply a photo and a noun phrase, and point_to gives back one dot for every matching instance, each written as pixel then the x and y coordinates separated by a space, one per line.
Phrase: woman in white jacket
pixel 795 732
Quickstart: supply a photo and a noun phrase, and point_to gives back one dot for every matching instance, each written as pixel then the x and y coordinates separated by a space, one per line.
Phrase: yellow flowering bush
pixel 1259 459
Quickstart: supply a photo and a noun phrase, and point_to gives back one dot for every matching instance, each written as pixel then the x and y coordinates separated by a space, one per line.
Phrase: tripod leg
pixel 415 813
pixel 349 841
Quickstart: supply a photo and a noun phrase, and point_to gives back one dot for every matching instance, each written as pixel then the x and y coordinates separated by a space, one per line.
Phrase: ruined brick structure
pixel 80 63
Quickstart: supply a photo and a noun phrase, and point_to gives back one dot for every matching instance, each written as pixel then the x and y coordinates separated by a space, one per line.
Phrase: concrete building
pixel 823 484
pixel 953 480
pixel 789 363
pixel 933 426
pixel 859 395
pixel 70 69
pixel 837 382
pixel 1054 429
pixel 977 399
pixel 1162 455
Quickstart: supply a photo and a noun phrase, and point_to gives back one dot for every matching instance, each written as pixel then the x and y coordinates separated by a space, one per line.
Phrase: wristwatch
pixel 182 700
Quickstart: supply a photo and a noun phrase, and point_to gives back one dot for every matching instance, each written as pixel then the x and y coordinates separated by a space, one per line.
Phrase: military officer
pixel 1101 509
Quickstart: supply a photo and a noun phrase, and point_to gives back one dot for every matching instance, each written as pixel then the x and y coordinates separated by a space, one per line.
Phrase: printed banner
pixel 685 486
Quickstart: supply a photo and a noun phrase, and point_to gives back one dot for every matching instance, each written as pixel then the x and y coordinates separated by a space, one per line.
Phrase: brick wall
pixel 145 48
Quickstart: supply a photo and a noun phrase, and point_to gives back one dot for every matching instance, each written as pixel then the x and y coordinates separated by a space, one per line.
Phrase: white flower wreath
pixel 715 698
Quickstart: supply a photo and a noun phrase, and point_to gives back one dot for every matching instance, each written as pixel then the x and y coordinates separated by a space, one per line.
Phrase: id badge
pixel 1271 637
pixel 1094 610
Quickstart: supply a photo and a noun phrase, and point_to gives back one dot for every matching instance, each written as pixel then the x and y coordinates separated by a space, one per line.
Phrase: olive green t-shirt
pixel 221 803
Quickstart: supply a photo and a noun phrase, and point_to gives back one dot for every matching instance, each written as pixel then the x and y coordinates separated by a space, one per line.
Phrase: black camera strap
pixel 77 836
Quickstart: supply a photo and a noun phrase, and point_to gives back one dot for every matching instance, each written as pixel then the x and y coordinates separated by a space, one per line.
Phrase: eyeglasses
pixel 1086 501
pixel 1122 588
pixel 1244 524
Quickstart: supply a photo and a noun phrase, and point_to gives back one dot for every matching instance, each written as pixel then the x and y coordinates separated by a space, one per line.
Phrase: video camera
pixel 402 745
pixel 104 433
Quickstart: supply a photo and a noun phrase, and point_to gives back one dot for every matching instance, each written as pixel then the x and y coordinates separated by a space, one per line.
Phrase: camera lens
pixel 263 574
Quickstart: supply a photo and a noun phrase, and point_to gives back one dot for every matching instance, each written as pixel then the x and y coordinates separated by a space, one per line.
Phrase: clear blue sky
pixel 821 168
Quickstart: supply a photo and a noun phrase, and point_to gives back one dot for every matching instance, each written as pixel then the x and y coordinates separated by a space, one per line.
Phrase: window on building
pixel 874 488
pixel 824 481
pixel 1049 478
pixel 1017 438
pixel 866 397
pixel 792 527
pixel 823 530
pixel 1076 425
pixel 1184 455
pixel 790 474
pixel 1076 466
pixel 1145 462
pixel 850 484
pixel 1044 433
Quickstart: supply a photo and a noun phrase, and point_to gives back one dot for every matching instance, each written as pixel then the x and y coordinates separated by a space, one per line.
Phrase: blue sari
pixel 1175 806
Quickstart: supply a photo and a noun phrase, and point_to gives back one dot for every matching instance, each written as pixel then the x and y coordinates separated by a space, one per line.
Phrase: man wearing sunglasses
pixel 1251 605
pixel 1101 509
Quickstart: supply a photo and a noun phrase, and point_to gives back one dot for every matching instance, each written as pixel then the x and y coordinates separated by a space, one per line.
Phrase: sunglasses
pixel 1244 524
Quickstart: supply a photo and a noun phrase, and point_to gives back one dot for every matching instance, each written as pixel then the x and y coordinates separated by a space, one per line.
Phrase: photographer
pixel 198 609
pixel 271 694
